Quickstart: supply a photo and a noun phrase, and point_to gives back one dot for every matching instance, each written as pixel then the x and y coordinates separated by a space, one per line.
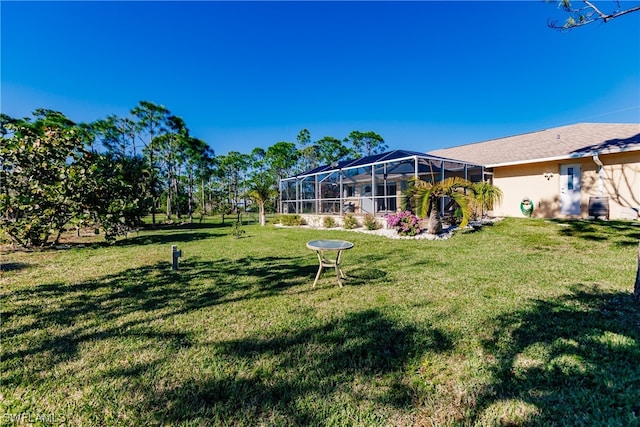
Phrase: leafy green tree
pixel 331 150
pixel 169 148
pixel 233 167
pixel 117 134
pixel 309 152
pixel 205 173
pixel 218 191
pixel 304 138
pixel 7 124
pixel 44 175
pixel 366 143
pixel 257 160
pixel 197 159
pixel 151 121
pixel 6 120
pixel 118 198
pixel 281 158
pixel 309 158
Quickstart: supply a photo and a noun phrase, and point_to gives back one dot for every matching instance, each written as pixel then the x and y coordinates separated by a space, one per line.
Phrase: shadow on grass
pixel 52 321
pixel 294 376
pixel 573 360
pixel 207 225
pixel 166 237
pixel 623 233
pixel 300 376
pixel 176 233
pixel 364 276
pixel 13 266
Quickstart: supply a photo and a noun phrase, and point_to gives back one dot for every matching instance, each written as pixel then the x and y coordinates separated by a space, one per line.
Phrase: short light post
pixel 175 254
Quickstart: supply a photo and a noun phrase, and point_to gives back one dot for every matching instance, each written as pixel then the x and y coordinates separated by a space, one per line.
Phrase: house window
pixel 570 178
pixel 351 191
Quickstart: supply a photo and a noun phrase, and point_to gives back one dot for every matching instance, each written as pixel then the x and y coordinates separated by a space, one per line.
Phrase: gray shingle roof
pixel 577 140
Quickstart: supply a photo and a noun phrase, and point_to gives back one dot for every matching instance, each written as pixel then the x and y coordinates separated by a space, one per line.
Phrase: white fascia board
pixel 557 158
pixel 526 162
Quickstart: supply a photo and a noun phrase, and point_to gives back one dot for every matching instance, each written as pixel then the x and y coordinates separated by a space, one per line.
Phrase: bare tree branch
pixel 587 14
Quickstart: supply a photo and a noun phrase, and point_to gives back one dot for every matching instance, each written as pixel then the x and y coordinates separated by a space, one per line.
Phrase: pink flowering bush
pixel 405 223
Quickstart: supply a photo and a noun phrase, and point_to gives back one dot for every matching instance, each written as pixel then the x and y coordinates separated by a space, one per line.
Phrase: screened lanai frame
pixel 369 185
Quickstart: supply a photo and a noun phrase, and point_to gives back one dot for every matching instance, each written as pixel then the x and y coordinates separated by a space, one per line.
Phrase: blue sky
pixel 423 75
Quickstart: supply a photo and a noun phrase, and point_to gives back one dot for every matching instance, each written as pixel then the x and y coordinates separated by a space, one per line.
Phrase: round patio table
pixel 322 246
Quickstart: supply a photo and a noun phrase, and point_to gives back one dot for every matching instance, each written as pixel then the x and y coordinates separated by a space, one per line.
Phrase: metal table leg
pixel 324 262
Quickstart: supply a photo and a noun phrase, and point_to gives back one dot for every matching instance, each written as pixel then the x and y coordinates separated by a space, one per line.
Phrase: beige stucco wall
pixel 620 182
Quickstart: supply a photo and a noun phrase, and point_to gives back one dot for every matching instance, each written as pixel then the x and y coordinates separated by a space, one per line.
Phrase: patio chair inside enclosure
pixel 368 185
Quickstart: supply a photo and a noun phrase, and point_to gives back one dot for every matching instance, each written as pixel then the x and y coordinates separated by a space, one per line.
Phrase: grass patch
pixel 525 322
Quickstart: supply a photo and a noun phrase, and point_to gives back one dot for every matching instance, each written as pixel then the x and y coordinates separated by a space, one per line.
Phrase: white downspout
pixel 598 162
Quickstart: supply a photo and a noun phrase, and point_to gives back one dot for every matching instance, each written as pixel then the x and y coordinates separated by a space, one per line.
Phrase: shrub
pixel 237 232
pixel 370 222
pixel 291 220
pixel 329 222
pixel 405 223
pixel 350 222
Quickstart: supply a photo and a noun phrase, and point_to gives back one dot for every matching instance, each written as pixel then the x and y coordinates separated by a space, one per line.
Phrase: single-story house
pixel 566 172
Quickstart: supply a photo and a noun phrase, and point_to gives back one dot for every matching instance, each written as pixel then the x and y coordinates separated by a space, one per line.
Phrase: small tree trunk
pixel 202 200
pixel 190 204
pixel 263 216
pixel 434 225
pixel 177 203
pixel 169 204
pixel 636 289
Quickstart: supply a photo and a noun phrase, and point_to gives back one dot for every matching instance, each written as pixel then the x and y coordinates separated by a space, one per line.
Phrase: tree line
pixel 110 174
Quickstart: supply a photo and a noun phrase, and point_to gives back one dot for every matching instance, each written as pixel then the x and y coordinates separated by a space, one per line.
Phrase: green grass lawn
pixel 526 322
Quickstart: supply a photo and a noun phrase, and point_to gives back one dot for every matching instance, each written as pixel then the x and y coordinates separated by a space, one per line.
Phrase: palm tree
pixel 423 197
pixel 261 190
pixel 486 196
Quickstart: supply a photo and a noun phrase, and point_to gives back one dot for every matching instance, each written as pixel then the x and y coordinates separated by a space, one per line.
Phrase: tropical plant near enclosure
pixel 486 196
pixel 423 197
